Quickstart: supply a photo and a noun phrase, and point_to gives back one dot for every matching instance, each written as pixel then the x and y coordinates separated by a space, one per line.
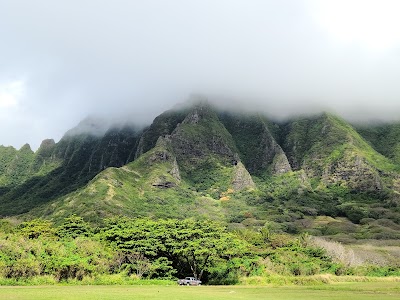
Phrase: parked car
pixel 189 281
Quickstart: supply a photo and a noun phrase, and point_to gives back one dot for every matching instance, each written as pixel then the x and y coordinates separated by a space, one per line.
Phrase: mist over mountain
pixel 98 124
pixel 135 59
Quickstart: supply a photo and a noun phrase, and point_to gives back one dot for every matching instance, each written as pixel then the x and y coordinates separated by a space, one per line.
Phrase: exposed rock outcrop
pixel 353 172
pixel 46 144
pixel 259 150
pixel 280 163
pixel 162 125
pixel 201 134
pixel 241 178
pixel 163 154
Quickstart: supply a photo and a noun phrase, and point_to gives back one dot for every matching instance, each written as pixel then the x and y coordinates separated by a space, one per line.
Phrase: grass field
pixel 353 291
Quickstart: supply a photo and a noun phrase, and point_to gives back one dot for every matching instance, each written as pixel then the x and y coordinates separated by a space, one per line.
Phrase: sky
pixel 61 61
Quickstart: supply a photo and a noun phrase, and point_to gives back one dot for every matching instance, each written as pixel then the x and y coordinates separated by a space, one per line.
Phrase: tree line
pixel 162 249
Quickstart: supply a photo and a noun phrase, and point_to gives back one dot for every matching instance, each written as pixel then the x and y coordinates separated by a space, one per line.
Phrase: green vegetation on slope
pixel 325 139
pixel 385 138
pixel 17 166
pixel 162 125
pixel 65 167
pixel 205 151
pixel 256 145
pixel 195 170
pixel 147 248
pixel 148 186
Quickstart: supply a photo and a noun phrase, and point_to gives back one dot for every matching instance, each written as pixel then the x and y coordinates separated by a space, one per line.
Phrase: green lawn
pixel 353 291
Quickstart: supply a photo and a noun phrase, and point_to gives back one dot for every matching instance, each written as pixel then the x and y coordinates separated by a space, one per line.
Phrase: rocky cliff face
pixel 92 154
pixel 330 150
pixel 58 169
pixel 204 149
pixel 280 163
pixel 163 154
pixel 196 149
pixel 201 134
pixel 162 125
pixel 355 173
pixel 17 166
pixel 258 149
pixel 241 178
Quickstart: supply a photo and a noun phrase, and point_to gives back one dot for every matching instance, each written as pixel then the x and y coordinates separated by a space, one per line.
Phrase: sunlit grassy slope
pixel 149 186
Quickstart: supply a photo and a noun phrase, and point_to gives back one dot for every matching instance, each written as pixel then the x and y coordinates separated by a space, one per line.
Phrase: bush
pixel 73 227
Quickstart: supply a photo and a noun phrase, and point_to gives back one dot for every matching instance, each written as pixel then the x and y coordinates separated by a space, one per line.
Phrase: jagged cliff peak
pixel 26 148
pixel 47 143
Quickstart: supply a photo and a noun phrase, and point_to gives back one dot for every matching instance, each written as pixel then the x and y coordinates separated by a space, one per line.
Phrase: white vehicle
pixel 189 281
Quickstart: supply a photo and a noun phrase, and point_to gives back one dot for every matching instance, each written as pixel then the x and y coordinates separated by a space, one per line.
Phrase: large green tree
pixel 202 243
pixel 188 244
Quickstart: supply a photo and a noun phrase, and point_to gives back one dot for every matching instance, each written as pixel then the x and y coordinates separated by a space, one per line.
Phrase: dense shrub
pixel 130 249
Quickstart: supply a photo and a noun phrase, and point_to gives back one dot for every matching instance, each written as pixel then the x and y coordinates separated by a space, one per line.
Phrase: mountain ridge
pixel 239 168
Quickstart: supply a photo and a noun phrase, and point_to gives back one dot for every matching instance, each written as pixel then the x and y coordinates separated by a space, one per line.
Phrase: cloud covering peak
pixel 63 60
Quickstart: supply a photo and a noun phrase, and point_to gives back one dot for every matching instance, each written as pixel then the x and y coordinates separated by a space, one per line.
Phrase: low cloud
pixel 10 93
pixel 135 59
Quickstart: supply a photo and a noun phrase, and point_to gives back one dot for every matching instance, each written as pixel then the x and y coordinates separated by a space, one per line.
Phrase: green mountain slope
pixel 260 153
pixel 149 186
pixel 162 125
pixel 64 167
pixel 197 161
pixel 385 138
pixel 16 166
pixel 332 153
pixel 206 153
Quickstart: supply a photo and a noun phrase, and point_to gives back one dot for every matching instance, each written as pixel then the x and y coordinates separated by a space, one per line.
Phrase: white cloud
pixel 366 23
pixel 139 58
pixel 10 93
